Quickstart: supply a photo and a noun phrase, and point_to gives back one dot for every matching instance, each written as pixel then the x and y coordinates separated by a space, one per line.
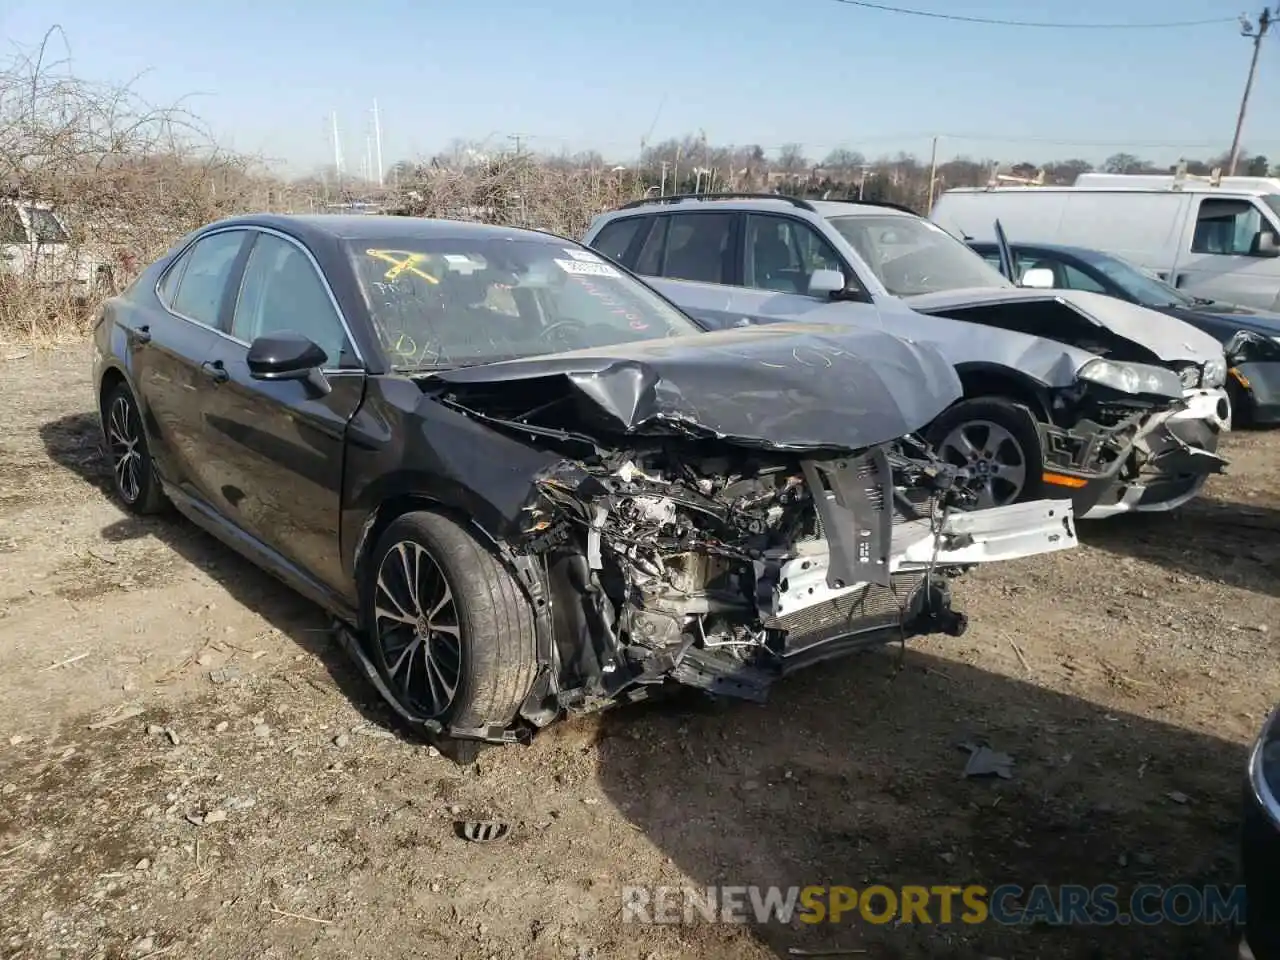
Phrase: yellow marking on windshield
pixel 402 261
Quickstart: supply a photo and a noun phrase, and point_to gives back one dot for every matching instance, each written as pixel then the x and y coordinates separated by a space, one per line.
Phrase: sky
pixel 265 75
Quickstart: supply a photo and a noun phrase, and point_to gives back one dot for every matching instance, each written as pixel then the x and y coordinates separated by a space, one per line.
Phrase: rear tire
pixel 133 475
pixel 1003 447
pixel 457 646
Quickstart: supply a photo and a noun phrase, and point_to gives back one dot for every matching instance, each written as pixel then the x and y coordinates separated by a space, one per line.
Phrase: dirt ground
pixel 151 678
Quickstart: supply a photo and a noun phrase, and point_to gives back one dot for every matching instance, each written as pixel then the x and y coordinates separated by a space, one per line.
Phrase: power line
pixel 991 21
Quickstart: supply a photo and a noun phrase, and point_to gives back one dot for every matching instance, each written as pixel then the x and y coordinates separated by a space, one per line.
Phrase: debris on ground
pixel 482 831
pixel 985 762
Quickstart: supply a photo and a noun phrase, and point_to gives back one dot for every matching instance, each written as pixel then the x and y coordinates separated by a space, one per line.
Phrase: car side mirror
pixel 1266 245
pixel 1038 278
pixel 826 283
pixel 288 356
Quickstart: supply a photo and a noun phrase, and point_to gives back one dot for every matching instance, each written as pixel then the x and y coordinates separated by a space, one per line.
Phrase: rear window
pixel 616 236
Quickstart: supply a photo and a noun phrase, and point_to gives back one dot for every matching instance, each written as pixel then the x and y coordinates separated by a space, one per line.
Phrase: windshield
pixel 1272 200
pixel 464 301
pixel 45 226
pixel 1144 288
pixel 912 256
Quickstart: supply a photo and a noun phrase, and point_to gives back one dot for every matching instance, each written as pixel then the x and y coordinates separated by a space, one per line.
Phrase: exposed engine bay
pixel 724 568
pixel 706 512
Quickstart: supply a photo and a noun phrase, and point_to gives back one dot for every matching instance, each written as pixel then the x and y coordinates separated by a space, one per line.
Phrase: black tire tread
pixel 499 652
pixel 152 499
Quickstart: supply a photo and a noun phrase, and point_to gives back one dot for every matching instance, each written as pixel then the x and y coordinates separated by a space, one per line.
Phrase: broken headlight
pixel 1132 377
pixel 1264 767
pixel 1215 373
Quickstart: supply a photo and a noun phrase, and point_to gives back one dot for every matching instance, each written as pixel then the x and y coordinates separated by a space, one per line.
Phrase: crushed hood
pixel 783 386
pixel 1167 337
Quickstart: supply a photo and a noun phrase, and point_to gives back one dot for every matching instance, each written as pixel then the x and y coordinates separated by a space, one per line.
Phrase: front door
pixel 1226 260
pixel 276 447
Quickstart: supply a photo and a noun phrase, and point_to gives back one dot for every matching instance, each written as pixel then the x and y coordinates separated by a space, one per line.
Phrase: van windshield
pixel 913 256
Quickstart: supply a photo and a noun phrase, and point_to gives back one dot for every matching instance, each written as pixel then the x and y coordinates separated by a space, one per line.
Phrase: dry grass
pixel 128 178
pixel 523 191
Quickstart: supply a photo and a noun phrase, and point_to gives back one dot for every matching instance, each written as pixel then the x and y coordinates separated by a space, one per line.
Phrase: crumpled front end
pixel 1121 454
pixel 724 569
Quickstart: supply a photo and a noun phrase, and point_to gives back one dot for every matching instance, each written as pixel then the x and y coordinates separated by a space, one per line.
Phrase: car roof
pixel 337 226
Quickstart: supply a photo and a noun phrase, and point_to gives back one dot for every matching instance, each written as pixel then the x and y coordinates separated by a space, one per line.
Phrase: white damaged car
pixel 1065 393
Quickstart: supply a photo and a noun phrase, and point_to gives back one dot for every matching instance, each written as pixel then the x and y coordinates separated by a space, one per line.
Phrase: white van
pixel 1213 237
pixel 36 244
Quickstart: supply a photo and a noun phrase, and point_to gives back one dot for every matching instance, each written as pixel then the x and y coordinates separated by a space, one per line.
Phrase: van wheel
pixel 997 441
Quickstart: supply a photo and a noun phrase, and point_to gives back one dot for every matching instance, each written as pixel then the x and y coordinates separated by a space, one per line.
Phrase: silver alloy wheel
pixel 417 629
pixel 124 437
pixel 994 458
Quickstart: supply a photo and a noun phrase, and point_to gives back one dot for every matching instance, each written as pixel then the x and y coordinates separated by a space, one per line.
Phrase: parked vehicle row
pixel 1211 237
pixel 1250 338
pixel 526 483
pixel 523 481
pixel 1102 401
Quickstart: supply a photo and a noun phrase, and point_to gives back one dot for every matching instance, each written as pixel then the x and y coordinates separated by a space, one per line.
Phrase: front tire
pixel 448 627
pixel 997 440
pixel 133 476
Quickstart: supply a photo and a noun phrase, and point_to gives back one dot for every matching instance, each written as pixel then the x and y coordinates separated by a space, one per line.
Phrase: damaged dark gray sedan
pixel 525 483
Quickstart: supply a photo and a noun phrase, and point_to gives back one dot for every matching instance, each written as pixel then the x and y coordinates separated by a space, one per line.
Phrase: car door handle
pixel 215 371
pixel 1178 278
pixel 142 334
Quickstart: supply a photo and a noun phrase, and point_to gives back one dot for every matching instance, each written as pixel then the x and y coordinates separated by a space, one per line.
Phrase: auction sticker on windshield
pixel 578 268
pixel 584 256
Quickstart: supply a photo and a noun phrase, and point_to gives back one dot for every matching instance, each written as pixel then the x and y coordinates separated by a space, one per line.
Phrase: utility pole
pixel 933 173
pixel 515 138
pixel 337 150
pixel 1247 29
pixel 377 137
pixel 862 183
pixel 663 188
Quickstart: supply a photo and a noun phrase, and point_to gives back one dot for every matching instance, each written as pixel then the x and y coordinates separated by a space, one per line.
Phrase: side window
pixel 616 237
pixel 283 291
pixel 169 284
pixel 205 269
pixel 1227 228
pixel 699 247
pixel 1074 278
pixel 649 261
pixel 11 228
pixel 783 253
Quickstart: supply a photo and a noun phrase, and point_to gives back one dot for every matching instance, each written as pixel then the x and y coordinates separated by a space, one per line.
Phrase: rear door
pixel 691 257
pixel 168 350
pixel 275 448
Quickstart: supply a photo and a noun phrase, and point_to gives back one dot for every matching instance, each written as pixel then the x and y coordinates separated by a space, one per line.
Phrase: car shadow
pixel 854 775
pixel 1236 544
pixel 73 442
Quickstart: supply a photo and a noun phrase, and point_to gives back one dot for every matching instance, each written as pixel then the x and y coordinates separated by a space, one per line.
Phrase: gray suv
pixel 1116 406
